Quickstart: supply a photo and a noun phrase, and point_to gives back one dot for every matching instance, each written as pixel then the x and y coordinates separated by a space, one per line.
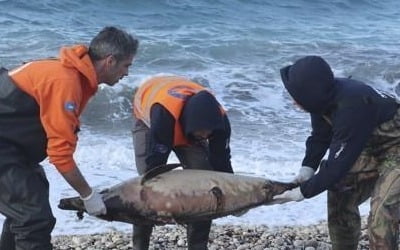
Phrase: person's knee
pixel 38 225
pixel 48 224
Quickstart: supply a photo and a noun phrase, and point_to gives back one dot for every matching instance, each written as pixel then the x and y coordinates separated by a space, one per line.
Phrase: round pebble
pixel 222 237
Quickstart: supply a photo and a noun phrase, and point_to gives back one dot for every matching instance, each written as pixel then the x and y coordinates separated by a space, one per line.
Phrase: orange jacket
pixel 61 88
pixel 169 91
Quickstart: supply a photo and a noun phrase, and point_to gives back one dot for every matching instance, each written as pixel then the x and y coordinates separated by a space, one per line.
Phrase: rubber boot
pixel 141 236
pixel 344 246
pixel 197 235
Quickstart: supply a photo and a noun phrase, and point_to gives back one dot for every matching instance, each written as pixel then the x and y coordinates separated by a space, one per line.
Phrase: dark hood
pixel 310 82
pixel 201 112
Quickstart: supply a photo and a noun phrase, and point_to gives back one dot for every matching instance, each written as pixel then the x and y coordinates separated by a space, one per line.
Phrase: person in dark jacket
pixel 175 114
pixel 40 105
pixel 360 127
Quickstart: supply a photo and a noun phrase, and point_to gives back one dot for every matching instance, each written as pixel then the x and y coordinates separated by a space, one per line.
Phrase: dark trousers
pixel 197 235
pixel 192 157
pixel 24 201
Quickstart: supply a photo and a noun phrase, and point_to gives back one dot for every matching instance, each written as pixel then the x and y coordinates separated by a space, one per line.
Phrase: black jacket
pixel 201 111
pixel 344 113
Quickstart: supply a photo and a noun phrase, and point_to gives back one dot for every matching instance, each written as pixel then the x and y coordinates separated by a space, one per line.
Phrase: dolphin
pixel 167 196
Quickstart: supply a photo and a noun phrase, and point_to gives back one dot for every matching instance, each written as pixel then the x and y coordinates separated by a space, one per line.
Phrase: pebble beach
pixel 222 237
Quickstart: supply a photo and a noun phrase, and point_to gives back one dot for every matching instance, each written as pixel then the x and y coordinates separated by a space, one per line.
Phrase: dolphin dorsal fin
pixel 160 169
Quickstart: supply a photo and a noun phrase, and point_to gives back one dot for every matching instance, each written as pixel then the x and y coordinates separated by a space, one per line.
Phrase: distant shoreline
pixel 240 237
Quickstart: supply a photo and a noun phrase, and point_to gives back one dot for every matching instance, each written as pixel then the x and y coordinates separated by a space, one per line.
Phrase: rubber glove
pixel 290 195
pixel 304 174
pixel 94 204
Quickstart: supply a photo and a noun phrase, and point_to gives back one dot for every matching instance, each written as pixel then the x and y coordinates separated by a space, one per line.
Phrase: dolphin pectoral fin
pixel 219 197
pixel 158 170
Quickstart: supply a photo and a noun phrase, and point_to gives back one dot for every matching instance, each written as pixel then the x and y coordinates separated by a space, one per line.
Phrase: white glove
pixel 94 204
pixel 304 174
pixel 290 195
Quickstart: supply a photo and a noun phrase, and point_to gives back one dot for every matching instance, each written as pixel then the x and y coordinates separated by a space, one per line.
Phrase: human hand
pixel 290 195
pixel 304 174
pixel 94 204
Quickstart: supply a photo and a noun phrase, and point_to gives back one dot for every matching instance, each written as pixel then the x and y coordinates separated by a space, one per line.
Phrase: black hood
pixel 310 82
pixel 201 112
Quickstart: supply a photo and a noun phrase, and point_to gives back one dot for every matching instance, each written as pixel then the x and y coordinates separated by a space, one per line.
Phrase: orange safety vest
pixel 169 91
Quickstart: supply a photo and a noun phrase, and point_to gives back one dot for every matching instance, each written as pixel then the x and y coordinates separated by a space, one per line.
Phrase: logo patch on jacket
pixel 342 146
pixel 160 148
pixel 70 106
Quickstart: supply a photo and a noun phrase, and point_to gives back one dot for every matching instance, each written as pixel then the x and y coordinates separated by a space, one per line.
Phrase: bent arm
pixel 348 141
pixel 220 152
pixel 318 142
pixel 161 136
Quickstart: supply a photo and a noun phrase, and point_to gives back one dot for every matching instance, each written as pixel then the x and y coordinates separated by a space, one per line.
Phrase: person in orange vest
pixel 40 105
pixel 176 114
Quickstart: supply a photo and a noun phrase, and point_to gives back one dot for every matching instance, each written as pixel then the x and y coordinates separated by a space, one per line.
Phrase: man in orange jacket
pixel 175 114
pixel 40 105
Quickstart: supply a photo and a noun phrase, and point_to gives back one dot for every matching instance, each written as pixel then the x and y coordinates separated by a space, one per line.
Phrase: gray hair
pixel 113 41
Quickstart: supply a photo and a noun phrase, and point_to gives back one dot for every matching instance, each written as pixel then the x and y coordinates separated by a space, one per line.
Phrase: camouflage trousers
pixel 375 175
